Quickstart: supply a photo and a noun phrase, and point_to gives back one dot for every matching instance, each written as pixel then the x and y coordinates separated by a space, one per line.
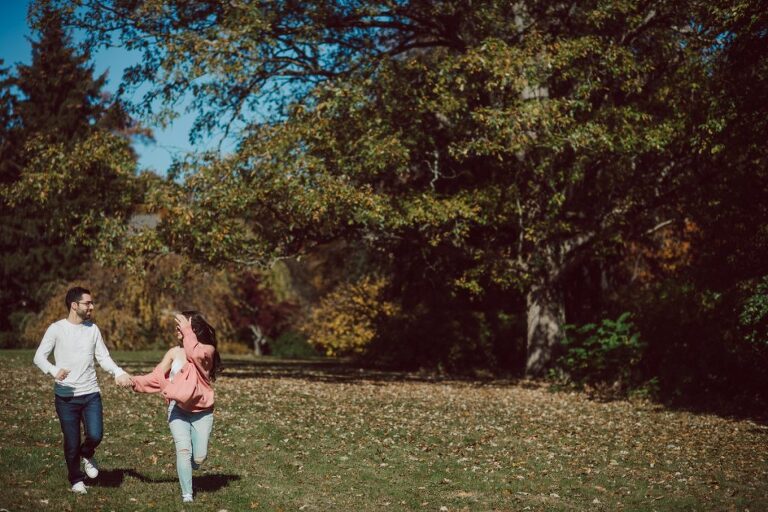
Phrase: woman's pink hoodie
pixel 191 387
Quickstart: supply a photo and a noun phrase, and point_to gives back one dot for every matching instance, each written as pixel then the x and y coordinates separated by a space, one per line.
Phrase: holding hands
pixel 124 380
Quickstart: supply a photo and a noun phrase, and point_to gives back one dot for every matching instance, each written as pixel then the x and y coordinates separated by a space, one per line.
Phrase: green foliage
pixel 58 93
pixel 292 345
pixel 492 153
pixel 66 167
pixel 484 149
pixel 604 355
pixel 696 347
pixel 753 317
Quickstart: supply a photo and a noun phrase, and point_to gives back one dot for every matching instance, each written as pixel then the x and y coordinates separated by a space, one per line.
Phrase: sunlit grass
pixel 322 436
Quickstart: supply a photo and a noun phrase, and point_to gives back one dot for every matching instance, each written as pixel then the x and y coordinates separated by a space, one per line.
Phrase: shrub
pixel 135 311
pixel 603 356
pixel 343 323
pixel 753 317
pixel 126 317
pixel 292 345
pixel 234 347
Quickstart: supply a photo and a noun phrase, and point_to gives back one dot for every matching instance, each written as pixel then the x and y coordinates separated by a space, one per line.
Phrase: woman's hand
pixel 182 321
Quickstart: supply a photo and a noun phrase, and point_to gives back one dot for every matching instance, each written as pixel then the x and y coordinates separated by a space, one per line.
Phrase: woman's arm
pixel 167 361
pixel 149 383
pixel 197 352
pixel 156 380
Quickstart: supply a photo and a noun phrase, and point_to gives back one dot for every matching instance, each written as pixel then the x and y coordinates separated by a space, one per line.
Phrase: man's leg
pixel 69 411
pixel 93 421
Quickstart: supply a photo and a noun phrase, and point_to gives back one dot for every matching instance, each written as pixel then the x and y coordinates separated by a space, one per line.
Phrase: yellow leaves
pixel 470 285
pixel 671 249
pixel 344 321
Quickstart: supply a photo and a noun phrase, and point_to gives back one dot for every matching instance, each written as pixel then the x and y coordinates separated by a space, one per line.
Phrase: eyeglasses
pixel 89 303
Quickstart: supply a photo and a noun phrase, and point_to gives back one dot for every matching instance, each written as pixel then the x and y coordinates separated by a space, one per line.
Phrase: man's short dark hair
pixel 74 295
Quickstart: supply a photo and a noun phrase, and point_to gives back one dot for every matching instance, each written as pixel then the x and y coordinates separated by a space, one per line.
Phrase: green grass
pixel 320 436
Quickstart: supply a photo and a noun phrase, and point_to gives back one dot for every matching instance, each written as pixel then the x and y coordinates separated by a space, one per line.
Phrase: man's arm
pixel 44 351
pixel 122 378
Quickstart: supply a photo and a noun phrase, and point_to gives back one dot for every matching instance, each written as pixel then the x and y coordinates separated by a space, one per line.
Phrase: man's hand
pixel 124 380
pixel 62 374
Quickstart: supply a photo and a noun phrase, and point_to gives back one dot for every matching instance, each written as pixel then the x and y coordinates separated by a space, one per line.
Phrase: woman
pixel 184 378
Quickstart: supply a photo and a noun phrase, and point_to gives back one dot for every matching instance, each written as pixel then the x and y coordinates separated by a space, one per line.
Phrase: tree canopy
pixel 483 153
pixel 66 166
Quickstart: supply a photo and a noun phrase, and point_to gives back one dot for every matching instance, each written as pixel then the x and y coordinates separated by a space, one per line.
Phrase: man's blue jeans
pixel 73 410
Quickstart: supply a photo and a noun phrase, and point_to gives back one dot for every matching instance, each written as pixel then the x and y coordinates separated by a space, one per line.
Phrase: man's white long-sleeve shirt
pixel 74 347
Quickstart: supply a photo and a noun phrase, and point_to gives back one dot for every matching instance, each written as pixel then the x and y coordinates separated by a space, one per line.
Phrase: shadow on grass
pixel 342 371
pixel 213 482
pixel 350 372
pixel 730 407
pixel 347 371
pixel 205 482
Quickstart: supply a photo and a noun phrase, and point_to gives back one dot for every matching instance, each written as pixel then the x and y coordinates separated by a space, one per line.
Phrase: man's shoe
pixel 186 498
pixel 79 488
pixel 89 465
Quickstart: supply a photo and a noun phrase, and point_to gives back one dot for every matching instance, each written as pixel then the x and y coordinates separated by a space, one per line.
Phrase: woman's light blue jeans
pixel 191 431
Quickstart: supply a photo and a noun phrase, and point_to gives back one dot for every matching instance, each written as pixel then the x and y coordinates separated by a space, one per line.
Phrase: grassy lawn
pixel 319 436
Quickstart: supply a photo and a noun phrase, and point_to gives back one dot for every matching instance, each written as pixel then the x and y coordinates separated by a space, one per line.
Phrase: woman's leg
pixel 181 429
pixel 202 425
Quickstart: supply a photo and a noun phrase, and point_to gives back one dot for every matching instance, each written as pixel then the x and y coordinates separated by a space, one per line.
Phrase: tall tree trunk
pixel 546 317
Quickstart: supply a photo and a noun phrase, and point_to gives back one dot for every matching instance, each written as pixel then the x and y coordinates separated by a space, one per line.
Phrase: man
pixel 75 341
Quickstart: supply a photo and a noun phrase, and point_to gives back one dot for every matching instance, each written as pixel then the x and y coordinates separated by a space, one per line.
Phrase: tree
pixel 65 167
pixel 482 150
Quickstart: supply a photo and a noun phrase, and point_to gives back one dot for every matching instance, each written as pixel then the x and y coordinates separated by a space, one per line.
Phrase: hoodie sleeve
pixel 153 382
pixel 199 353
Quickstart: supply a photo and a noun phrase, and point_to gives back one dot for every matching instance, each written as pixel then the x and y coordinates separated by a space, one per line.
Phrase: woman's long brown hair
pixel 206 334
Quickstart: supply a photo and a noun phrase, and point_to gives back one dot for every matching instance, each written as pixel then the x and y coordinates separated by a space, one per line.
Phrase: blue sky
pixel 15 47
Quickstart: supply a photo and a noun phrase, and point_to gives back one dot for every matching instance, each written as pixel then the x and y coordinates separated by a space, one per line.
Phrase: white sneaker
pixel 186 498
pixel 79 488
pixel 89 465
